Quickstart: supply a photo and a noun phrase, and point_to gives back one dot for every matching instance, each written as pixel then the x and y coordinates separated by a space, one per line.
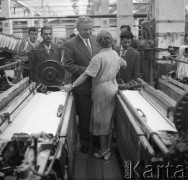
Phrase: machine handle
pixel 141 113
pixel 60 110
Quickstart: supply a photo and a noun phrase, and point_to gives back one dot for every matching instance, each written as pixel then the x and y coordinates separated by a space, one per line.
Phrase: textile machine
pixel 13 44
pixel 13 51
pixel 175 81
pixel 174 88
pixel 151 132
pixel 37 130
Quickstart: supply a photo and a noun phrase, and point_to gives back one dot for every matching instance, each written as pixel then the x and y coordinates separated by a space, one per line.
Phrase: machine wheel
pixel 181 115
pixel 50 73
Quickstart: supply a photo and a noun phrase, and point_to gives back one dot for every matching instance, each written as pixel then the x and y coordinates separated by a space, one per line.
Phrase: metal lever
pixel 141 113
pixel 60 110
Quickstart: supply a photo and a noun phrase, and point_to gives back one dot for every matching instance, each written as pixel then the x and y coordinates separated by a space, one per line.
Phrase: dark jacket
pixel 76 59
pixel 132 58
pixel 39 54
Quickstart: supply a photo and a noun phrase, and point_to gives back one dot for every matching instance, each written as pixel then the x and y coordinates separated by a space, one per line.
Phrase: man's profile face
pixel 126 43
pixel 47 35
pixel 85 30
pixel 33 35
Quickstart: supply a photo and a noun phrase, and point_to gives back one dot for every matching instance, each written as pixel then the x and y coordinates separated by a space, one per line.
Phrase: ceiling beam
pixel 25 6
pixel 69 17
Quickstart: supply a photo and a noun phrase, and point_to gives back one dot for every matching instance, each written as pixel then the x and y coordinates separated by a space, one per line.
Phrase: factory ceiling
pixel 61 7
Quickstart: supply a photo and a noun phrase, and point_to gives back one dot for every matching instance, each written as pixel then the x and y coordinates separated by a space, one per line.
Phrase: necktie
pixel 123 53
pixel 88 46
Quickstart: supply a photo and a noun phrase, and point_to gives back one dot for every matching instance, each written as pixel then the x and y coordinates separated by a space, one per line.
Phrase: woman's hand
pixel 123 63
pixel 67 87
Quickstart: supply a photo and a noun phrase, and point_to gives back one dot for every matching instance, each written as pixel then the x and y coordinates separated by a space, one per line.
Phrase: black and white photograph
pixel 93 89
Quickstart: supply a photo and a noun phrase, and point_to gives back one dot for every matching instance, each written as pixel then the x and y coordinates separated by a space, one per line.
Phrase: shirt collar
pixel 32 44
pixel 83 39
pixel 122 51
pixel 47 47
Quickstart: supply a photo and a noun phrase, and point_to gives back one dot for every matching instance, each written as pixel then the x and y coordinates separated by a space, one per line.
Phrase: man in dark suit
pixel 46 50
pixel 130 55
pixel 79 51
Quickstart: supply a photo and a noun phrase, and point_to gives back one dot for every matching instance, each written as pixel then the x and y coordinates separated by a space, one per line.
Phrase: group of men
pixel 39 51
pixel 78 52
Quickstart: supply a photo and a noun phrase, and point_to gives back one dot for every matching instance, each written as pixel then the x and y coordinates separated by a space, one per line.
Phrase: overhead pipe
pixel 171 58
pixel 70 17
pixel 10 65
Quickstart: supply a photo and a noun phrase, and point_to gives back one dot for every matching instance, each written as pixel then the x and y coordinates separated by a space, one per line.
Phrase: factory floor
pixel 89 168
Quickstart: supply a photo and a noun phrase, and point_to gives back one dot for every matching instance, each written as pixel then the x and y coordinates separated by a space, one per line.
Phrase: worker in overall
pixel 46 50
pixel 32 42
pixel 78 53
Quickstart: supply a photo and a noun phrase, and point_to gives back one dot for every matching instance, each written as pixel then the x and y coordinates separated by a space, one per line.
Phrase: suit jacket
pixel 135 44
pixel 132 57
pixel 39 54
pixel 76 59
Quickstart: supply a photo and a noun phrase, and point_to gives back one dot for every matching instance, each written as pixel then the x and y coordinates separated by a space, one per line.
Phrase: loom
pixel 174 88
pixel 38 129
pixel 151 130
pixel 37 132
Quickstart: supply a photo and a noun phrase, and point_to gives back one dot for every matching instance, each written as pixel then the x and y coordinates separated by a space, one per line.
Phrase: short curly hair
pixel 126 34
pixel 104 38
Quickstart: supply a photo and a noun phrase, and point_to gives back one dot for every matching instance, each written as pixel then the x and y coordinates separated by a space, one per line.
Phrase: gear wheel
pixel 181 115
pixel 50 73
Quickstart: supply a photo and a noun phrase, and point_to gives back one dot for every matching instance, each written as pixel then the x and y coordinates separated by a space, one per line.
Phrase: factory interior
pixel 40 121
